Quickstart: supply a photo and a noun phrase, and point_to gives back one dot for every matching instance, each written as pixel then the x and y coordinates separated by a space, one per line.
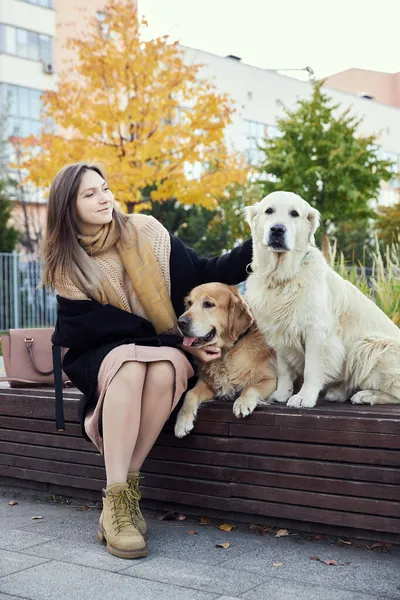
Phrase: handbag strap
pixel 57 367
pixel 28 344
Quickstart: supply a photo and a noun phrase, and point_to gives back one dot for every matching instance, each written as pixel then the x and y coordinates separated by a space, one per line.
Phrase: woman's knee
pixel 130 372
pixel 161 374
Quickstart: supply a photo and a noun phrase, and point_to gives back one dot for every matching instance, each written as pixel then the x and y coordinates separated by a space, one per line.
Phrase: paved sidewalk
pixel 58 557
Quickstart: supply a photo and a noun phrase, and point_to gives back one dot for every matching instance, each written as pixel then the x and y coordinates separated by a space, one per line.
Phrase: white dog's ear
pixel 250 212
pixel 313 217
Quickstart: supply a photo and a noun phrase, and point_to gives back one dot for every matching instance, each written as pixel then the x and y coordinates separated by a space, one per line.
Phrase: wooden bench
pixel 335 468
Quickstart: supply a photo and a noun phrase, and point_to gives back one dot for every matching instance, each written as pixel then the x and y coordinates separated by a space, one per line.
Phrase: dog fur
pixel 321 326
pixel 246 366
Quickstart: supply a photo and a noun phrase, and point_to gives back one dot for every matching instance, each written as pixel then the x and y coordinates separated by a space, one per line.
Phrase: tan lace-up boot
pixel 137 516
pixel 116 525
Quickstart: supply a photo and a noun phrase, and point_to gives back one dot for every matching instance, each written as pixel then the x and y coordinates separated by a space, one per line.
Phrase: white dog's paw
pixel 363 397
pixel 184 424
pixel 300 401
pixel 281 396
pixel 243 407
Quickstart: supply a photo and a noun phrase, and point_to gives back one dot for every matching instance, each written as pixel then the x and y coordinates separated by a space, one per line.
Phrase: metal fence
pixel 22 302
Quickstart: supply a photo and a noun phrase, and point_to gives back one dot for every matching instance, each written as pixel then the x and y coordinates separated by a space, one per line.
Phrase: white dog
pixel 321 326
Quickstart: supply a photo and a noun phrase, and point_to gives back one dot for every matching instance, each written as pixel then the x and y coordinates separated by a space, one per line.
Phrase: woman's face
pixel 94 203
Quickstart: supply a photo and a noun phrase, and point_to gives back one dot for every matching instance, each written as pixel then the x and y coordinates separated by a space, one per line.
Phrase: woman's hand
pixel 205 354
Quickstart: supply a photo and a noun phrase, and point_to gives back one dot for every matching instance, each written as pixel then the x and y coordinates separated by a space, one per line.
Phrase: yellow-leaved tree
pixel 136 108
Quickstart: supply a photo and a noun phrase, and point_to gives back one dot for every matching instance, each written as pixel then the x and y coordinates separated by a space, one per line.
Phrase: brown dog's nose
pixel 183 322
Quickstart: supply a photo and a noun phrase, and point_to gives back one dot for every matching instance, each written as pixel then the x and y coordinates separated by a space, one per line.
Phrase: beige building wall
pixel 381 87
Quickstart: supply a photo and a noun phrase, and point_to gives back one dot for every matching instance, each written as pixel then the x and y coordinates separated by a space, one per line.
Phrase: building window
pixel 26 44
pixel 394 169
pixel 44 3
pixel 256 133
pixel 22 106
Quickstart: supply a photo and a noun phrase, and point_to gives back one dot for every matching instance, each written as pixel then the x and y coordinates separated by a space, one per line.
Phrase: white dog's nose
pixel 278 229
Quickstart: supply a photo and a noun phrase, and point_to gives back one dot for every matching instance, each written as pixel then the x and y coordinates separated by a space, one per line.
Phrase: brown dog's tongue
pixel 188 341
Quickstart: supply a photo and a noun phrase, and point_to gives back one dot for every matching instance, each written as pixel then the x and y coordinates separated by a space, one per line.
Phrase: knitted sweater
pixel 111 265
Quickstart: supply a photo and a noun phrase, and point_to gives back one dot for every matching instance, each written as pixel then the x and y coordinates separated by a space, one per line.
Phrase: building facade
pixel 27 33
pixel 257 91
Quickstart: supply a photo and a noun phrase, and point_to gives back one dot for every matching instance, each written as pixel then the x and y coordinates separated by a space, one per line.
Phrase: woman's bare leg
pixel 121 419
pixel 156 406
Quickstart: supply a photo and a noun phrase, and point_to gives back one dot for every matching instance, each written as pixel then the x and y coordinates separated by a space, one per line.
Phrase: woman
pixel 121 282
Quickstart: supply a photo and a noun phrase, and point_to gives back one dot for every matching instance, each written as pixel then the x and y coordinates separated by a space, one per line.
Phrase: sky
pixel 327 35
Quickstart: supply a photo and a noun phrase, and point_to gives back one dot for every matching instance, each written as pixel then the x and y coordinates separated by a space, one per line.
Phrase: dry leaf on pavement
pixel 324 561
pixel 204 521
pixel 12 503
pixel 386 545
pixel 281 532
pixel 278 564
pixel 181 518
pixel 191 532
pixel 260 529
pixel 33 518
pixel 225 545
pixel 226 527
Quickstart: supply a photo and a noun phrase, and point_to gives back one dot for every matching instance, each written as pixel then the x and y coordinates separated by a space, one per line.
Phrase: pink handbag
pixel 28 359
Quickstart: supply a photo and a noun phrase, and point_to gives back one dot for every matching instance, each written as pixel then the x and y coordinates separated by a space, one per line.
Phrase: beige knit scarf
pixel 141 267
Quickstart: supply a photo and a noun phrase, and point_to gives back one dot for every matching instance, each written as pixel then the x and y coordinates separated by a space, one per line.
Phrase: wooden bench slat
pixel 331 437
pixel 51 453
pixel 318 500
pixel 282 465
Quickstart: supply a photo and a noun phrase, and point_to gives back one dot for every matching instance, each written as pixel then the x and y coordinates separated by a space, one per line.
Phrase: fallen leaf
pixel 181 518
pixel 386 545
pixel 12 503
pixel 226 527
pixel 204 521
pixel 225 545
pixel 278 564
pixel 33 518
pixel 324 561
pixel 191 532
pixel 83 508
pixel 168 516
pixel 319 536
pixel 260 529
pixel 281 532
pixel 345 542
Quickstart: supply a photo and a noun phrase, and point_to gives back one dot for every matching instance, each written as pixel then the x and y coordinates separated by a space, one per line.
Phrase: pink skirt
pixel 113 362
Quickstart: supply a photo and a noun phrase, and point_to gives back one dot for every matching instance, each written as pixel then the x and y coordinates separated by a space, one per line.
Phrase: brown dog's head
pixel 216 314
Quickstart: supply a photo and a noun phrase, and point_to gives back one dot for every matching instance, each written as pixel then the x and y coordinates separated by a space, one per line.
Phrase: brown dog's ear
pixel 239 316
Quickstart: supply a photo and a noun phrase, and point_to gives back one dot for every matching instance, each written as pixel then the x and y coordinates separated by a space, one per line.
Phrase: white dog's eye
pixel 269 211
pixel 294 213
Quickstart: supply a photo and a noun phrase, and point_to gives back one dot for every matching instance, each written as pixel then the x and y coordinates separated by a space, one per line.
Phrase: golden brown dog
pixel 217 314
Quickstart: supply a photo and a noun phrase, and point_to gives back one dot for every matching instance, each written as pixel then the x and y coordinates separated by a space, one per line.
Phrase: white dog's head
pixel 283 221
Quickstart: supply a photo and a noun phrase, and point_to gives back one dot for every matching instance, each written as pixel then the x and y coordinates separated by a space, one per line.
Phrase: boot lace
pixel 135 497
pixel 121 509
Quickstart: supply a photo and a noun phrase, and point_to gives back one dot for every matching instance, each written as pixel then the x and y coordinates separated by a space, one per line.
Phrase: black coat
pixel 91 330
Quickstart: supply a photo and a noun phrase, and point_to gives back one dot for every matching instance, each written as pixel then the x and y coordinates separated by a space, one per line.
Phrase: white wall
pixel 28 16
pixel 27 73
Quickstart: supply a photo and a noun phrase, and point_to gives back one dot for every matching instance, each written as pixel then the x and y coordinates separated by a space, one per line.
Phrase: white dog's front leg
pixel 285 380
pixel 313 373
